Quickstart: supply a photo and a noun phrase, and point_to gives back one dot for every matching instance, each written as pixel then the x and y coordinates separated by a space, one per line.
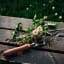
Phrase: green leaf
pixel 35 17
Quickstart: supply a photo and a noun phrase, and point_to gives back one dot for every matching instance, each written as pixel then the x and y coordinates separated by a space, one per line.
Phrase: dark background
pixel 27 8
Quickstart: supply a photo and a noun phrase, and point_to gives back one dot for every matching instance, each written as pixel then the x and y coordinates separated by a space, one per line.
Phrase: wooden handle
pixel 16 50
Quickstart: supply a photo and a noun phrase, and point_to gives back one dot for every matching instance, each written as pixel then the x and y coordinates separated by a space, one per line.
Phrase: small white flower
pixel 39 28
pixel 30 5
pixel 35 32
pixel 60 17
pixel 44 4
pixel 27 9
pixel 45 17
pixel 50 1
pixel 56 14
pixel 53 7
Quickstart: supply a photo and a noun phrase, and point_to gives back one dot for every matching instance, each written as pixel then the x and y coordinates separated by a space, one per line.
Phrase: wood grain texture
pixel 32 56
